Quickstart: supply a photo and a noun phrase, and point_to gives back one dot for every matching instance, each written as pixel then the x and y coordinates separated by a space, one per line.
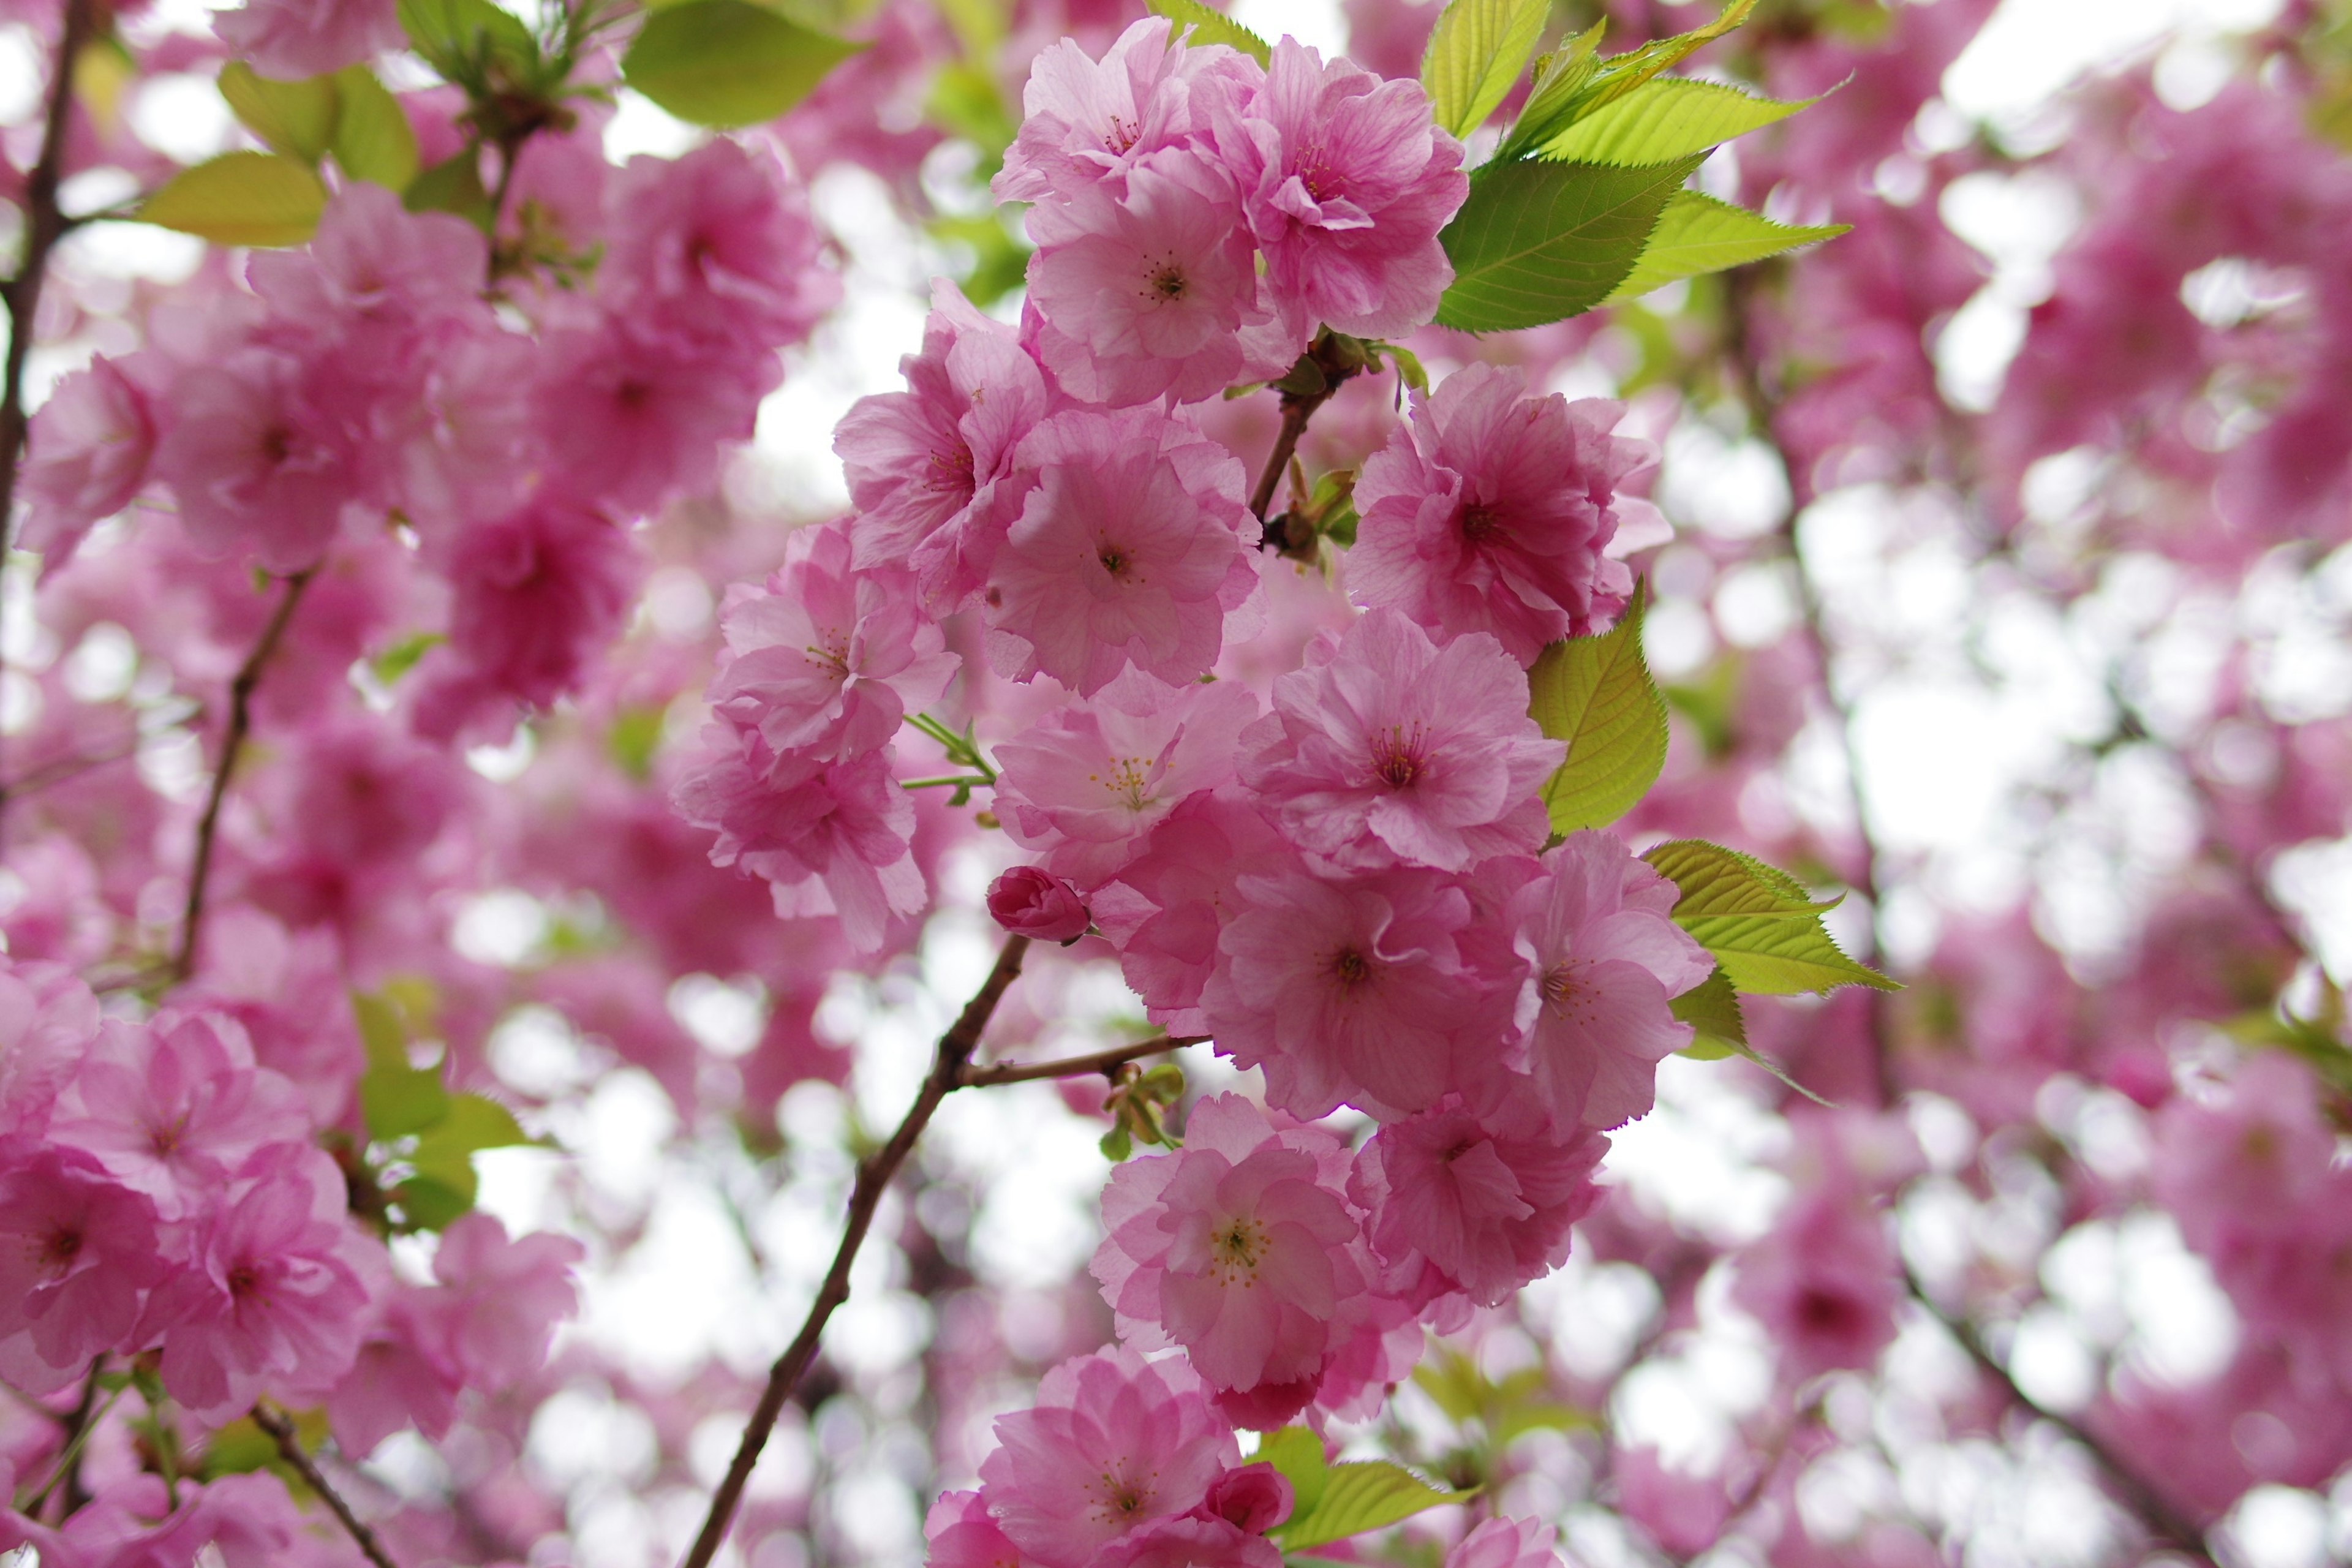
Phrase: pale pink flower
pixel 1601 962
pixel 273 1297
pixel 1240 1247
pixel 398 1378
pixel 959 1533
pixel 1113 1444
pixel 1130 552
pixel 294 38
pixel 78 1253
pixel 88 453
pixel 1495 512
pixel 1684 1513
pixel 1351 992
pixel 826 658
pixel 1171 900
pixel 502 1297
pixel 47 1018
pixel 1086 122
pixel 931 468
pixel 1506 1543
pixel 1824 1281
pixel 259 468
pixel 137 1522
pixel 717 243
pixel 1346 180
pixel 377 276
pixel 1475 1205
pixel 1086 782
pixel 1387 749
pixel 830 837
pixel 1147 295
pixel 1037 904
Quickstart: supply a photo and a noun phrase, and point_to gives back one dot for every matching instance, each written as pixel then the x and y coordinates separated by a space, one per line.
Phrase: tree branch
pixel 1315 380
pixel 1102 1061
pixel 873 1175
pixel 240 724
pixel 290 1448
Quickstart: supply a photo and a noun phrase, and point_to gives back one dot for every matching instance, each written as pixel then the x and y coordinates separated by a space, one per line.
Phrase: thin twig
pixel 290 1448
pixel 1336 359
pixel 240 724
pixel 873 1175
pixel 78 1422
pixel 1101 1061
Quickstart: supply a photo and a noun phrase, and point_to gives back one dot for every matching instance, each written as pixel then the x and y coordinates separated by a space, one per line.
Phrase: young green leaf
pixel 1698 234
pixel 295 117
pixel 1208 26
pixel 727 63
pixel 1475 53
pixel 372 140
pixel 1549 114
pixel 1713 1012
pixel 241 198
pixel 1538 242
pixel 445 1184
pixel 1369 1495
pixel 1664 119
pixel 456 36
pixel 1596 694
pixel 395 1098
pixel 453 185
pixel 1297 1453
pixel 1759 921
pixel 1559 77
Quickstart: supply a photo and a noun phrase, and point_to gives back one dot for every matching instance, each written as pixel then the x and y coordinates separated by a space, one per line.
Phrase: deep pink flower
pixel 137 1522
pixel 1387 749
pixel 1086 782
pixel 1601 963
pixel 260 469
pixel 1240 1247
pixel 1190 1542
pixel 1506 1543
pixel 1353 991
pixel 1254 1499
pixel 295 38
pixel 384 280
pixel 1086 122
pixel 931 468
pixel 88 454
pixel 717 243
pixel 1131 551
pixel 1113 1444
pixel 397 1379
pixel 1346 180
pixel 78 1253
pixel 825 659
pixel 1149 294
pixel 1474 1205
pixel 1037 904
pixel 1495 512
pixel 1825 1281
pixel 1171 899
pixel 633 416
pixel 830 837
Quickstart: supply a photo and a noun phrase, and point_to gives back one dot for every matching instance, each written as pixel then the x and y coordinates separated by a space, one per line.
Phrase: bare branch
pixel 1103 1061
pixel 290 1448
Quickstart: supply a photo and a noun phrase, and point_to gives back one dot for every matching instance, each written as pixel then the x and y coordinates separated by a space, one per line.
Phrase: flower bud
pixel 1031 902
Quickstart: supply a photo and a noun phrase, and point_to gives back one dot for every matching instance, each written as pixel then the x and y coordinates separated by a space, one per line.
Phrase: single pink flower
pixel 1130 552
pixel 1601 962
pixel 384 280
pixel 295 38
pixel 1086 122
pixel 636 417
pixel 260 469
pixel 1113 1444
pixel 47 1018
pixel 1387 749
pixel 1346 180
pixel 1824 1281
pixel 1037 904
pixel 717 243
pixel 1490 511
pixel 1190 1542
pixel 1086 783
pixel 503 1296
pixel 959 1533
pixel 1506 1543
pixel 1253 1498
pixel 88 454
pixel 1170 901
pixel 826 658
pixel 79 1251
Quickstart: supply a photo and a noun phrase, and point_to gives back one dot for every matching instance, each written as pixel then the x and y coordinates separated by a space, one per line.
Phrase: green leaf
pixel 1369 1495
pixel 1713 1012
pixel 1759 921
pixel 296 118
pixel 452 186
pixel 401 657
pixel 373 141
pixel 1212 27
pixel 1550 112
pixel 1698 234
pixel 1665 119
pixel 241 198
pixel 395 1098
pixel 444 1184
pixel 1538 242
pixel 726 63
pixel 459 37
pixel 634 737
pixel 1297 1453
pixel 1559 77
pixel 1596 694
pixel 1476 53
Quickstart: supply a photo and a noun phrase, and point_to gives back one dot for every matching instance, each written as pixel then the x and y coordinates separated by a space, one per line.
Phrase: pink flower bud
pixel 1031 902
pixel 1253 1498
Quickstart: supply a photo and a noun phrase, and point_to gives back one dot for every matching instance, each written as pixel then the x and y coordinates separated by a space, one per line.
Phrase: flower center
pixel 244 1280
pixel 1352 967
pixel 1235 1248
pixel 1124 134
pixel 1128 781
pixel 1112 559
pixel 62 1248
pixel 1168 283
pixel 1566 994
pixel 1400 756
pixel 1480 522
pixel 1123 1502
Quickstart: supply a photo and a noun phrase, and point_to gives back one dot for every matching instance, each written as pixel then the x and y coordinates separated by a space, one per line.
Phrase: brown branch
pixel 873 1175
pixel 1315 380
pixel 290 1448
pixel 240 725
pixel 1103 1061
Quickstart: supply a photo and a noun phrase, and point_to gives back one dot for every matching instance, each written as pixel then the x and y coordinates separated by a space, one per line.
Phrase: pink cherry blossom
pixel 1825 1282
pixel 1037 904
pixel 633 416
pixel 960 1533
pixel 260 469
pixel 1346 180
pixel 1506 1543
pixel 1088 781
pixel 1601 962
pixel 1387 749
pixel 397 1379
pixel 78 1253
pixel 47 1018
pixel 88 450
pixel 717 244
pixel 382 280
pixel 1113 1444
pixel 1240 1247
pixel 1172 898
pixel 1491 511
pixel 1190 1542
pixel 1475 1205
pixel 1086 122
pixel 505 1296
pixel 296 38
pixel 1130 552
pixel 1253 1498
pixel 825 659
pixel 931 468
